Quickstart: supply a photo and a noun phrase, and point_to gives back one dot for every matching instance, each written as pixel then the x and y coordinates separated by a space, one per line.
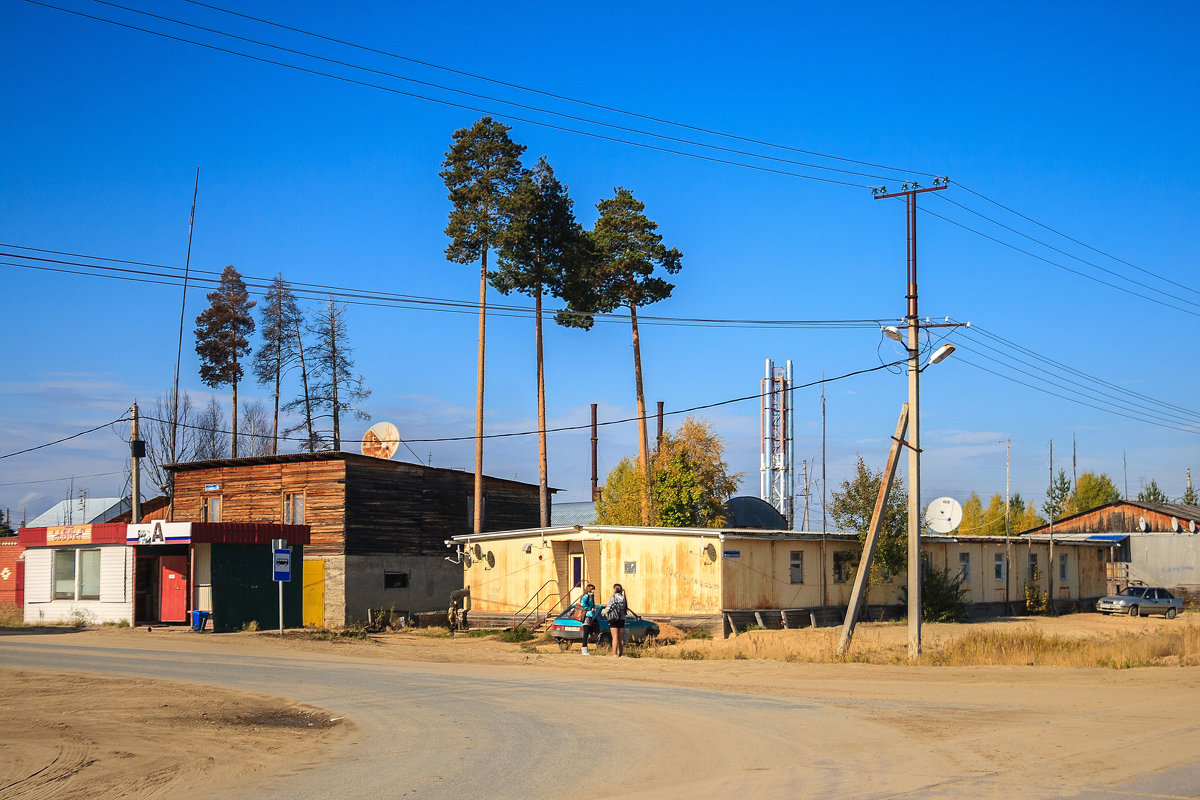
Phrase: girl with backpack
pixel 614 612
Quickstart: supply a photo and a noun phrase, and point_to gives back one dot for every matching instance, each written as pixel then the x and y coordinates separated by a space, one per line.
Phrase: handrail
pixel 538 603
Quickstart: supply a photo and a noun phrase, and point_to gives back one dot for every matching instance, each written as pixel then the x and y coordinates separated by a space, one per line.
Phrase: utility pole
pixel 914 404
pixel 824 523
pixel 595 478
pixel 658 441
pixel 187 265
pixel 1053 508
pixel 1007 531
pixel 137 449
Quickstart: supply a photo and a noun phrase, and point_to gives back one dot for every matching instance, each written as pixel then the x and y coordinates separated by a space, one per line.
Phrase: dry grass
pixel 956 646
pixel 11 616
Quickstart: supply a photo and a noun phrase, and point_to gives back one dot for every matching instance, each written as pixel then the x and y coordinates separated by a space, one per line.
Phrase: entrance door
pixel 173 588
pixel 576 570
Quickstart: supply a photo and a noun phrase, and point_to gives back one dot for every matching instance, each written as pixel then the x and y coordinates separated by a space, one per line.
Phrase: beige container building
pixel 724 578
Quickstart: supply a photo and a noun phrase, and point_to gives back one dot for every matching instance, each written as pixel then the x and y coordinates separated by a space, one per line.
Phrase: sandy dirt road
pixel 476 718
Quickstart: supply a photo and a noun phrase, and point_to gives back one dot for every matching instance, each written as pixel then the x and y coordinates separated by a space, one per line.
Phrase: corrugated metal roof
pixel 572 514
pixel 79 511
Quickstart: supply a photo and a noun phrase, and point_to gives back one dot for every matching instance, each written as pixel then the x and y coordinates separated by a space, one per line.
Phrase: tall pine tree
pixel 279 319
pixel 628 251
pixel 223 336
pixel 481 168
pixel 542 249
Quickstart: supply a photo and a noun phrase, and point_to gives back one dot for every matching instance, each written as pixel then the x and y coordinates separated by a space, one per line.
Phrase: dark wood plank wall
pixel 393 507
pixel 254 493
pixel 360 507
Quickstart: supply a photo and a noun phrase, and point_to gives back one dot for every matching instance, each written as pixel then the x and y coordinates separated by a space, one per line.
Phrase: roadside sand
pixel 70 735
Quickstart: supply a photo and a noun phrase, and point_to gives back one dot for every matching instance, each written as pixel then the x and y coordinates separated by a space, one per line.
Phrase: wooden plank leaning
pixel 864 567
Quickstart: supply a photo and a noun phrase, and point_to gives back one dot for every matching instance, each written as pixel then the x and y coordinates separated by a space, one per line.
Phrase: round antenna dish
pixel 478 551
pixel 381 440
pixel 1175 525
pixel 943 515
pixel 467 559
pixel 491 559
pixel 710 550
pixel 1143 526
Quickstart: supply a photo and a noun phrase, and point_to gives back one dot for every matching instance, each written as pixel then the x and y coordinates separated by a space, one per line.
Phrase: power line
pixel 1064 252
pixel 566 428
pixel 355 296
pixel 67 478
pixel 491 98
pixel 465 107
pixel 554 96
pixel 1076 241
pixel 1055 264
pixel 64 439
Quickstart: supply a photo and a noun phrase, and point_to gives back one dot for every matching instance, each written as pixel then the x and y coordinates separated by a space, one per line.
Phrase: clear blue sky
pixel 1081 116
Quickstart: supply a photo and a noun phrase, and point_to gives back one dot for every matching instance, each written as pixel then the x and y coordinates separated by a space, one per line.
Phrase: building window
pixel 841 566
pixel 76 574
pixel 210 510
pixel 1100 554
pixel 64 574
pixel 797 566
pixel 293 508
pixel 89 574
pixel 1062 567
pixel 395 580
pixel 964 567
pixel 998 566
pixel 631 568
pixel 1033 566
pixel 926 564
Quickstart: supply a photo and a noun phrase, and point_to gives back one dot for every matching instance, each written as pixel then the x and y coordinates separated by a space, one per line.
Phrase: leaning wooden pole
pixel 864 567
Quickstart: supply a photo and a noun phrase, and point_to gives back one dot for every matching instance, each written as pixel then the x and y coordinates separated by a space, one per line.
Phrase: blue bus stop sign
pixel 283 564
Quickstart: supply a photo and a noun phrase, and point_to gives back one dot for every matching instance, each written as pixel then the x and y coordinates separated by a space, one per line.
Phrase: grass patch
pixel 352 631
pixel 11 616
pixel 528 646
pixel 699 633
pixel 477 633
pixel 516 635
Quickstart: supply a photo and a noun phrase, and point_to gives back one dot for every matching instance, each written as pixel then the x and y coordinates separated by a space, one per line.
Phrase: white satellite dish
pixel 943 515
pixel 381 440
pixel 1143 526
pixel 1176 525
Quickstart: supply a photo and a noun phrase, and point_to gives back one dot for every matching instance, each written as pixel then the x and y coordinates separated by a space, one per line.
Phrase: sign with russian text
pixel 69 534
pixel 159 532
pixel 733 554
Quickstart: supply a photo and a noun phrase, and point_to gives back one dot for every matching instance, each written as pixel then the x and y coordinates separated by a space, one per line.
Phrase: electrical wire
pixel 1055 264
pixel 565 98
pixel 968 189
pixel 451 104
pixel 67 478
pixel 64 439
pixel 354 296
pixel 566 428
pixel 1060 251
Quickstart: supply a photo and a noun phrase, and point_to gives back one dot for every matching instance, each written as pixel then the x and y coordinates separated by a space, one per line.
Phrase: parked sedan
pixel 567 628
pixel 1140 601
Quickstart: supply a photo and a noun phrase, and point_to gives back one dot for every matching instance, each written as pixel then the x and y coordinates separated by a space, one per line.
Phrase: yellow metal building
pixel 707 576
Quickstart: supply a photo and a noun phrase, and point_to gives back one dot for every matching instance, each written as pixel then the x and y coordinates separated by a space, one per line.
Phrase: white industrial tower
pixel 777 485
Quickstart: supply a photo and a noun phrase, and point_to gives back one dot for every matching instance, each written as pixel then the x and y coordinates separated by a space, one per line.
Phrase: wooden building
pixel 1161 542
pixel 378 527
pixel 726 578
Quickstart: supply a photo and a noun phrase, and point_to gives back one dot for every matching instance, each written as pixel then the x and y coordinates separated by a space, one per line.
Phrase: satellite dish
pixel 491 559
pixel 1175 526
pixel 478 551
pixel 943 515
pixel 381 440
pixel 467 559
pixel 1143 526
pixel 1192 526
pixel 710 550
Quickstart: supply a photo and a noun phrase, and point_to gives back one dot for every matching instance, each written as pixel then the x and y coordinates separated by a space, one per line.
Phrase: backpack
pixel 615 611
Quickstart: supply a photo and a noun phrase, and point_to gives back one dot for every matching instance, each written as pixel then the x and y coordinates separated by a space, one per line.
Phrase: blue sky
pixel 1080 116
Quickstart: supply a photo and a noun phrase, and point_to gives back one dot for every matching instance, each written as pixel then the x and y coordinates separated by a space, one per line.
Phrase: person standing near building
pixel 614 612
pixel 591 618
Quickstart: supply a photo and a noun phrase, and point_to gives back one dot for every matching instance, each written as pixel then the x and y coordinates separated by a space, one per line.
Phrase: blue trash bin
pixel 200 620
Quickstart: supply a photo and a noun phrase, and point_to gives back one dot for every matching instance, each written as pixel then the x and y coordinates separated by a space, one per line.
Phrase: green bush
pixel 517 635
pixel 699 633
pixel 943 599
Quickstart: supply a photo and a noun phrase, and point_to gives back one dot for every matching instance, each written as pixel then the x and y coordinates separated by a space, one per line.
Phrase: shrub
pixel 1035 598
pixel 517 635
pixel 699 633
pixel 942 597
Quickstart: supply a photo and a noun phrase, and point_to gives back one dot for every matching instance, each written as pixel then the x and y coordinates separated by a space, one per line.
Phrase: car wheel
pixel 1171 613
pixel 1133 611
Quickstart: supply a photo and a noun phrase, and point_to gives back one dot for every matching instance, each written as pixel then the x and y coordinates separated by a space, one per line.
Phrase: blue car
pixel 567 628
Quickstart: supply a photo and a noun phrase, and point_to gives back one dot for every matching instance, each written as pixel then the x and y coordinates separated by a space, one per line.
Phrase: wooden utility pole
pixel 864 565
pixel 137 449
pixel 1007 532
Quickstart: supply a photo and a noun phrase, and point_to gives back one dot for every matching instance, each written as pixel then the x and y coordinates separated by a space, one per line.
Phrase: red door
pixel 173 588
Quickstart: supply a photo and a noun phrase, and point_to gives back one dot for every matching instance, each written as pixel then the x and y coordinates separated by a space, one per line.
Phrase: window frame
pixel 289 508
pixel 67 557
pixel 796 567
pixel 1064 564
pixel 207 505
pixel 964 566
pixel 394 579
pixel 81 574
pixel 1000 567
pixel 841 565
